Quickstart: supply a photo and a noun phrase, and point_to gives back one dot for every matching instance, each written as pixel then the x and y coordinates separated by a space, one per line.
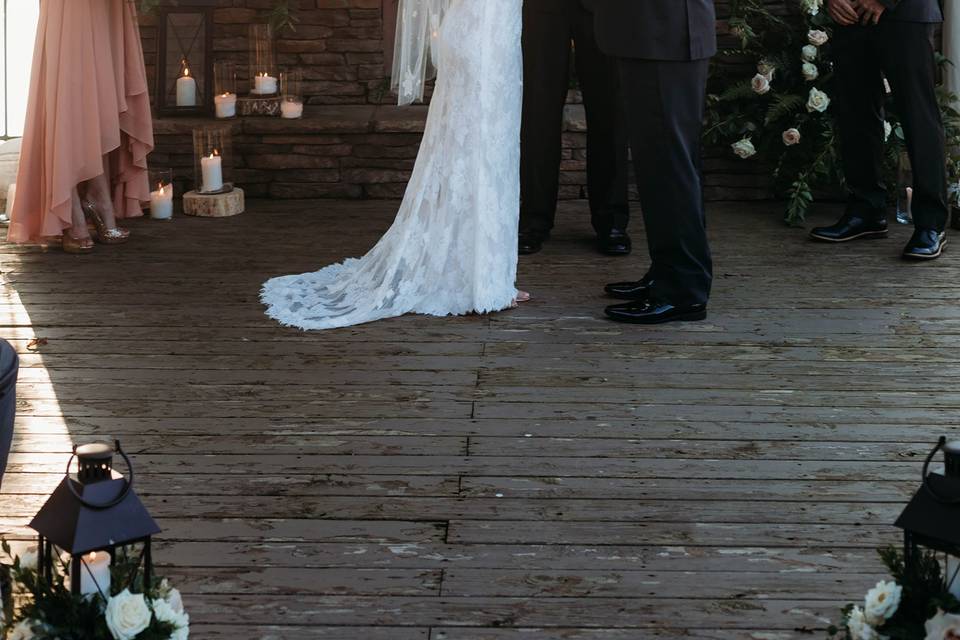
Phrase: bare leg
pixel 98 193
pixel 79 229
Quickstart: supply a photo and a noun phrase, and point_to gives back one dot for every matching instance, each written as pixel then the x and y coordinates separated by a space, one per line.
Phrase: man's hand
pixel 844 12
pixel 870 11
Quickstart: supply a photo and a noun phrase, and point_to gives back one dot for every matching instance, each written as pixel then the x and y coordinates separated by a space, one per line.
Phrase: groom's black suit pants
pixel 904 52
pixel 549 28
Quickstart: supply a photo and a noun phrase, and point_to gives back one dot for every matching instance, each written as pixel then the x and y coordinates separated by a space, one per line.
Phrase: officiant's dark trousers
pixel 904 53
pixel 665 107
pixel 9 366
pixel 549 28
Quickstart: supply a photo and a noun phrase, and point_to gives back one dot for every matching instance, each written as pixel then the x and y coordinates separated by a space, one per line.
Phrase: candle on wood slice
pixel 212 169
pixel 186 90
pixel 161 202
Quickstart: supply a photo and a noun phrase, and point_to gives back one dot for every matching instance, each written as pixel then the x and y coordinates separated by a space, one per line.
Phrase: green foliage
pixel 736 111
pixel 282 18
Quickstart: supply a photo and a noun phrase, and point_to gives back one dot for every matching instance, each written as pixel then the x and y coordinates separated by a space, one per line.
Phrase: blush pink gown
pixel 88 98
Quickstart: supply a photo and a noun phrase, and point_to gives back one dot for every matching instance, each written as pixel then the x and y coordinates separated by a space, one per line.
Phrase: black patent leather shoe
pixel 531 242
pixel 925 244
pixel 853 226
pixel 614 243
pixel 636 290
pixel 652 311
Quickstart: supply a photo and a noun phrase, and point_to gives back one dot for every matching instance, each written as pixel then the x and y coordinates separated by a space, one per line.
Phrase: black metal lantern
pixel 932 517
pixel 185 59
pixel 91 515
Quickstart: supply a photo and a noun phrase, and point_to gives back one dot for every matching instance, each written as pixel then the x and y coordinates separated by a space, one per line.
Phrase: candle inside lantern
pixel 186 90
pixel 226 105
pixel 212 169
pixel 11 194
pixel 161 202
pixel 95 576
pixel 264 84
pixel 291 109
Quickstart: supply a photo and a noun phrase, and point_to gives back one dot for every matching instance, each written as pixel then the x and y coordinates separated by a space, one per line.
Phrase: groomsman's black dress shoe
pixel 925 244
pixel 531 242
pixel 653 311
pixel 636 290
pixel 853 226
pixel 615 243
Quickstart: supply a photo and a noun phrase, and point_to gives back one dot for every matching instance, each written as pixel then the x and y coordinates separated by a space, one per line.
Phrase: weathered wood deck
pixel 538 474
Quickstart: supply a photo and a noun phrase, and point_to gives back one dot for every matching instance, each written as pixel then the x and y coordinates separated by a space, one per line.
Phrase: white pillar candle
pixel 226 105
pixel 11 194
pixel 161 202
pixel 212 170
pixel 290 109
pixel 186 90
pixel 97 567
pixel 264 84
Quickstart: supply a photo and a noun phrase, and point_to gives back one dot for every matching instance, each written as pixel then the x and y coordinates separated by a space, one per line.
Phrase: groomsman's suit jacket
pixel 680 30
pixel 928 11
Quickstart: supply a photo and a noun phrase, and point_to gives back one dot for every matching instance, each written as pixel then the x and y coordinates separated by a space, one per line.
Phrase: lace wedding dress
pixel 453 246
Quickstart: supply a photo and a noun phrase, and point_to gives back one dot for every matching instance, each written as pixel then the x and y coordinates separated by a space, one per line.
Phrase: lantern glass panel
pixel 212 158
pixel 263 66
pixel 184 70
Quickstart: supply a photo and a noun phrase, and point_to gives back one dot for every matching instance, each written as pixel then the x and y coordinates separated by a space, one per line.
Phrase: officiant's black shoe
pixel 853 226
pixel 615 243
pixel 653 311
pixel 531 242
pixel 636 290
pixel 925 244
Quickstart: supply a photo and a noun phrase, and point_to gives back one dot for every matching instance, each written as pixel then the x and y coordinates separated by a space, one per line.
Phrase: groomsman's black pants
pixel 549 27
pixel 904 53
pixel 665 108
pixel 9 366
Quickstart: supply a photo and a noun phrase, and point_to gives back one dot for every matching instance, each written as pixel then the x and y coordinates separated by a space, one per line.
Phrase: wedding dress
pixel 453 247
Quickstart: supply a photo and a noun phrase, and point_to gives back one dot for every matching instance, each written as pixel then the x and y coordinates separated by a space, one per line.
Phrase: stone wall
pixel 352 142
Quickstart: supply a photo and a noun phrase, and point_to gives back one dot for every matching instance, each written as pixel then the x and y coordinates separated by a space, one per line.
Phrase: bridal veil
pixel 415 54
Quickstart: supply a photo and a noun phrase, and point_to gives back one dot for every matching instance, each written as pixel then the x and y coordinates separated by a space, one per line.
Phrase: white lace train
pixel 453 246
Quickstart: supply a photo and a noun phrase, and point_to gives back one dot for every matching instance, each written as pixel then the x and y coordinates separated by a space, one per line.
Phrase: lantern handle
pixel 120 497
pixel 926 477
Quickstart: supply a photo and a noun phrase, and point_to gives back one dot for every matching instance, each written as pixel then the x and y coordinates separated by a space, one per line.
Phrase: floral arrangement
pixel 782 113
pixel 915 605
pixel 47 610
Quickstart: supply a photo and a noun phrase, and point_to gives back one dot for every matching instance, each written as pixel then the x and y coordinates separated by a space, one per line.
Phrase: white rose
pixel 858 627
pixel 23 630
pixel 887 130
pixel 766 69
pixel 810 71
pixel 791 137
pixel 942 626
pixel 812 7
pixel 882 602
pixel 175 600
pixel 28 559
pixel 817 38
pixel 808 53
pixel 760 84
pixel 818 101
pixel 744 148
pixel 183 633
pixel 127 615
pixel 166 613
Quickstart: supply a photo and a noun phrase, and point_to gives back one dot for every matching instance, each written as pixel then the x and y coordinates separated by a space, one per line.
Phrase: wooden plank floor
pixel 538 474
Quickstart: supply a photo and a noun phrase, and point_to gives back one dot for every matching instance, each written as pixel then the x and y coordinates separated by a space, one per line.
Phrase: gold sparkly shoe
pixel 104 235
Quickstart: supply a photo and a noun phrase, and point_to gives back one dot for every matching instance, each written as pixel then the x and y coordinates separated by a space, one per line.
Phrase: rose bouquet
pixel 782 114
pixel 39 609
pixel 915 605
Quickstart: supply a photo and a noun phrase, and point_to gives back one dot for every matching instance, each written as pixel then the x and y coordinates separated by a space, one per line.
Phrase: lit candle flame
pixel 92 556
pixel 215 153
pixel 161 188
pixel 186 72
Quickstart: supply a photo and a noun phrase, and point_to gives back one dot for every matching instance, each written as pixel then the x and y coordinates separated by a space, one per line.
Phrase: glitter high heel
pixel 69 244
pixel 104 235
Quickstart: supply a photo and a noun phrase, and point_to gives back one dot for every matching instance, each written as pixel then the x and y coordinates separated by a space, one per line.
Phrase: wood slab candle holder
pixel 257 106
pixel 218 205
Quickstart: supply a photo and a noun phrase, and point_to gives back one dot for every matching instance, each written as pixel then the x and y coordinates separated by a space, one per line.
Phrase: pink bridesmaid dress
pixel 88 98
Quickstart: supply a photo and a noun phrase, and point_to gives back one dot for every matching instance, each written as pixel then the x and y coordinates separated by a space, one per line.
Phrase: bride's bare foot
pixel 522 296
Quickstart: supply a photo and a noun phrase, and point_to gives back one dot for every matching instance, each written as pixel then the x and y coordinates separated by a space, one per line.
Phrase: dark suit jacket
pixel 656 29
pixel 928 11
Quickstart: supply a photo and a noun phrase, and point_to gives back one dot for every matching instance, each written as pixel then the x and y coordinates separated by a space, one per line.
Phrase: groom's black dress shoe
pixel 653 311
pixel 614 243
pixel 852 226
pixel 925 244
pixel 531 242
pixel 636 290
